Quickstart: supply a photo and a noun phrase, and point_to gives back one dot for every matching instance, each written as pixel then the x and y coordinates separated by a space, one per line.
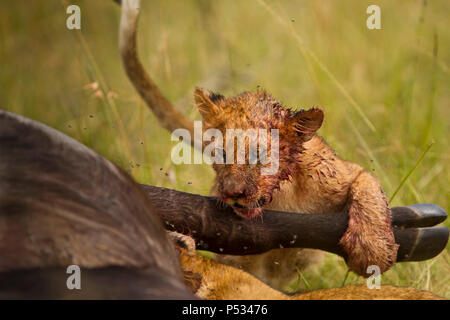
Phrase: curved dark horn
pixel 216 228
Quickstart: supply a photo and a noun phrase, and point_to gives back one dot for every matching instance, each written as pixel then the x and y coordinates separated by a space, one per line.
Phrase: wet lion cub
pixel 310 179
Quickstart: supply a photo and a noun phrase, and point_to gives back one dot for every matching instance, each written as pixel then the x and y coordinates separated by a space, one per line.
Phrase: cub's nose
pixel 233 188
pixel 233 194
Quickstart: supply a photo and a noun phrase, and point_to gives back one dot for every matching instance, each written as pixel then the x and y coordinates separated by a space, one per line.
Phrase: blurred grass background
pixel 385 92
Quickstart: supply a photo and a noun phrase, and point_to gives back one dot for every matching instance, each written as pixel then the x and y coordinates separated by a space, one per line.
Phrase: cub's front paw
pixel 182 240
pixel 365 246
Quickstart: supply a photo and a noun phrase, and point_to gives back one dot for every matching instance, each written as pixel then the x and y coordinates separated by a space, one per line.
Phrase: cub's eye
pixel 220 152
pixel 262 156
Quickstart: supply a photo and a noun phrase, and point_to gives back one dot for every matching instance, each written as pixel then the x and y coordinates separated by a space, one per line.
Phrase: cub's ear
pixel 207 102
pixel 307 122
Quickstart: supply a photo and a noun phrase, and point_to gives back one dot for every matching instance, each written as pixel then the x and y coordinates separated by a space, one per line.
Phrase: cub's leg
pixel 369 238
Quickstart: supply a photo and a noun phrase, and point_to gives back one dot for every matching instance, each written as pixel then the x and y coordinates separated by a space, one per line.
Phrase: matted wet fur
pixel 311 179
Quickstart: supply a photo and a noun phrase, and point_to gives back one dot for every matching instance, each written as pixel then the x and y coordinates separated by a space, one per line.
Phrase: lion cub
pixel 310 179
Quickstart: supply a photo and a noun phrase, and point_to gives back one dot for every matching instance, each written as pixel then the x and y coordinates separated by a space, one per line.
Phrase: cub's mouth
pixel 249 212
pixel 245 212
pixel 246 207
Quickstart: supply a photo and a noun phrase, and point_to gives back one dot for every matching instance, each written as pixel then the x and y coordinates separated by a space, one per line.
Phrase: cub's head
pixel 255 144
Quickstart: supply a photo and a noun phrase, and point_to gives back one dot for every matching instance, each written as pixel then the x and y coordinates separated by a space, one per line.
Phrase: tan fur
pixel 311 179
pixel 221 282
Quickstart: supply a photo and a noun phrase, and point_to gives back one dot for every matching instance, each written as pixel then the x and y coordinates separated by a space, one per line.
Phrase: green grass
pixel 385 92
